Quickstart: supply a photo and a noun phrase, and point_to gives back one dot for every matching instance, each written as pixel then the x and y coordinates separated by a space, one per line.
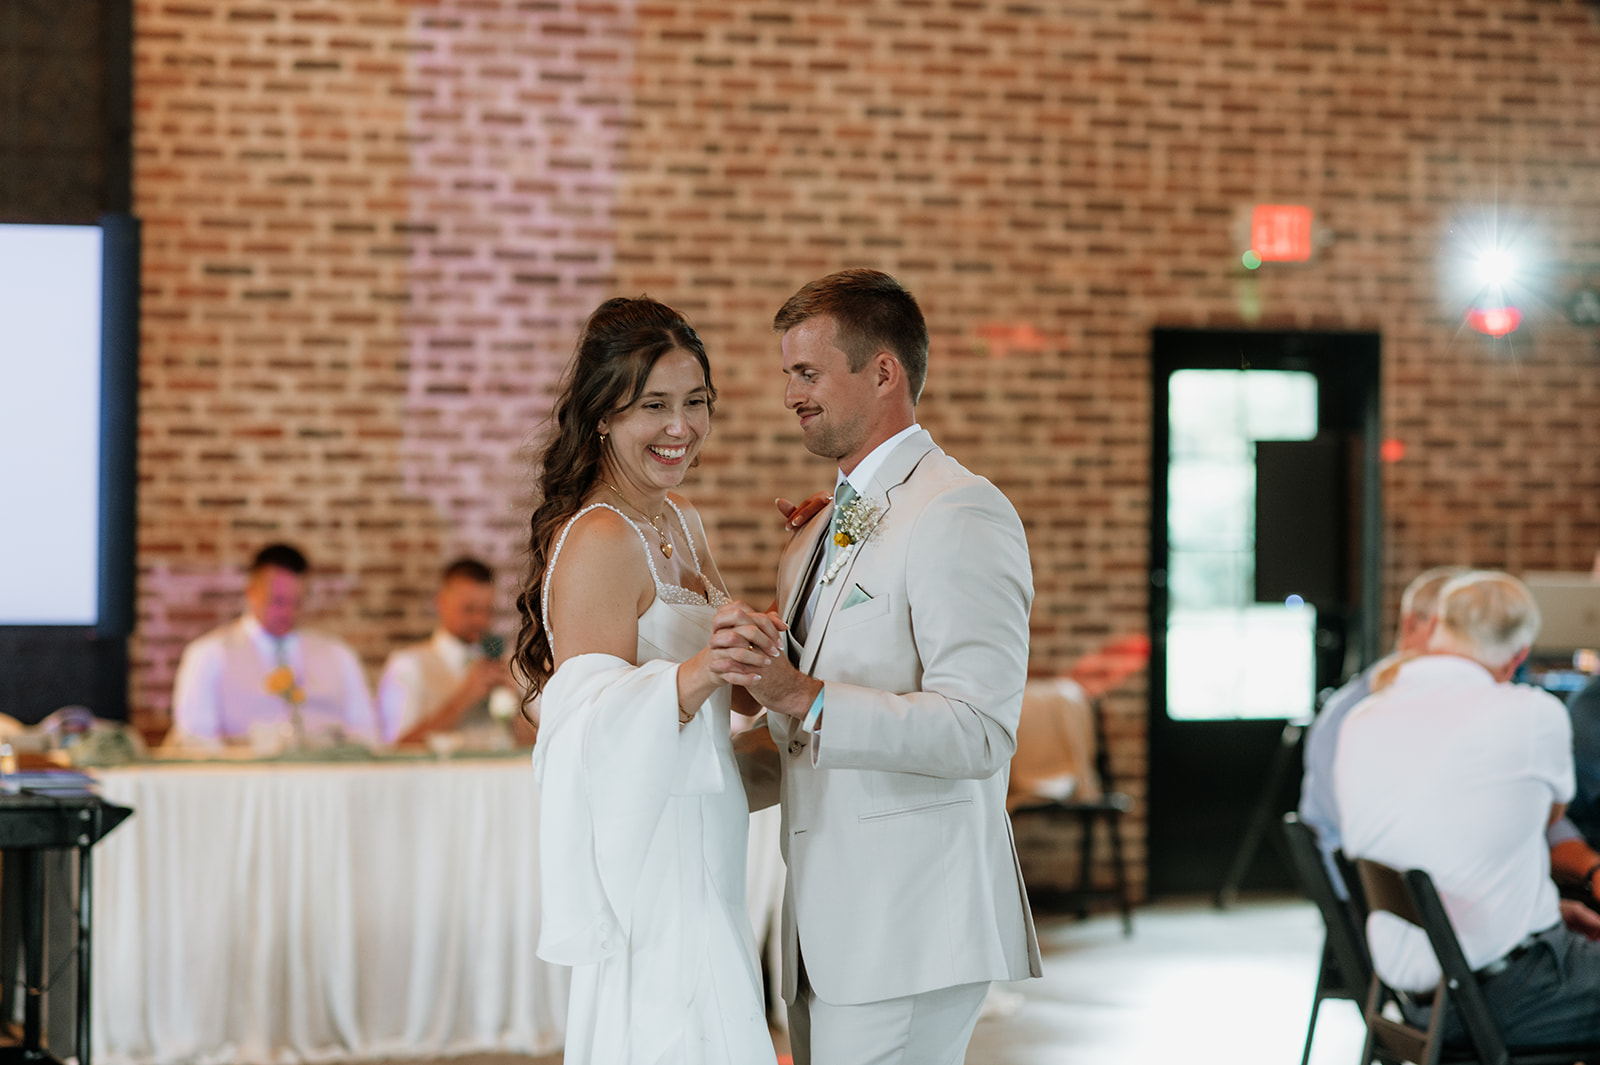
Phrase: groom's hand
pixel 797 514
pixel 783 689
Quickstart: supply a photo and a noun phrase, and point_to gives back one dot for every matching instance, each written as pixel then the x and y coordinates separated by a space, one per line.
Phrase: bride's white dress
pixel 643 829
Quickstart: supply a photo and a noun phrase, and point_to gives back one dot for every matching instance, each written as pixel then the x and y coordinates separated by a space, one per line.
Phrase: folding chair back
pixel 1412 897
pixel 1346 970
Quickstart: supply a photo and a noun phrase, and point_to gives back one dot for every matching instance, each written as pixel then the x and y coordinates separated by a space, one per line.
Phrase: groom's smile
pixel 835 404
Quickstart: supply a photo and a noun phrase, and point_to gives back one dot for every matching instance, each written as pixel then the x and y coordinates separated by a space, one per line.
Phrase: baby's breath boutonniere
pixel 855 526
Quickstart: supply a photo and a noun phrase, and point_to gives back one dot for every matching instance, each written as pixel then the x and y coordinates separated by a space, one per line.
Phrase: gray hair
pixel 1487 616
pixel 1421 596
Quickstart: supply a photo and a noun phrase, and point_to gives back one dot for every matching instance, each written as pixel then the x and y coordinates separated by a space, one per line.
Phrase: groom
pixel 895 712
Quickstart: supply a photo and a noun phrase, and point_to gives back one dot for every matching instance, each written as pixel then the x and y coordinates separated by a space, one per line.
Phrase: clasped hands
pixel 746 646
pixel 746 649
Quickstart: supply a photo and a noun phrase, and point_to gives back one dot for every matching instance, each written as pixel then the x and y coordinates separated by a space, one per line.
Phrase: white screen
pixel 49 424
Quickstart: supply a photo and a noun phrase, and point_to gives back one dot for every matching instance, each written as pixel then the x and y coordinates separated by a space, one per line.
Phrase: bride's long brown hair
pixel 619 346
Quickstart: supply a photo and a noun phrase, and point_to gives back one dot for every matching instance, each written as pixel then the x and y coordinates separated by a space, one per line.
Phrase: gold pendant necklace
pixel 666 541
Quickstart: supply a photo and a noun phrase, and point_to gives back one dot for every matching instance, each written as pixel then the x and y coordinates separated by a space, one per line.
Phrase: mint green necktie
pixel 842 497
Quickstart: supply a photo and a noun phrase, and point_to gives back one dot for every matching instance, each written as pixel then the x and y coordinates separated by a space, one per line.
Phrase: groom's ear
pixel 890 373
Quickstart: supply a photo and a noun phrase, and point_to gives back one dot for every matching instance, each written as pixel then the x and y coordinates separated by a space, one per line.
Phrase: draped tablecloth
pixel 263 913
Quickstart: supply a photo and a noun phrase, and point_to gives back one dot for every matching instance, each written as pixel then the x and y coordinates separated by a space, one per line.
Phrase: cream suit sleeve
pixel 968 586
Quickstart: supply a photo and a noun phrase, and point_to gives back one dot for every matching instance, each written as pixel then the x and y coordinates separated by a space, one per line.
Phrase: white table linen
pixel 276 913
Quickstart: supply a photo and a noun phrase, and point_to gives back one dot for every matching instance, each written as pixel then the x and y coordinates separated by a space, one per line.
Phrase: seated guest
pixel 445 682
pixel 262 670
pixel 1573 838
pixel 1449 768
pixel 1322 738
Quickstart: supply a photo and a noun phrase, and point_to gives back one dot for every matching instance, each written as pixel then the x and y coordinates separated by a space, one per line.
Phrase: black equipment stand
pixel 32 822
pixel 1264 815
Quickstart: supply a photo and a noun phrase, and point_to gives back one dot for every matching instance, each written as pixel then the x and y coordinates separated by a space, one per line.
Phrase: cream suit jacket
pixel 902 871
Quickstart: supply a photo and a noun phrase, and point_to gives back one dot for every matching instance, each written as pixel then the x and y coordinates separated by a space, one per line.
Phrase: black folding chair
pixel 1346 969
pixel 1411 897
pixel 1107 807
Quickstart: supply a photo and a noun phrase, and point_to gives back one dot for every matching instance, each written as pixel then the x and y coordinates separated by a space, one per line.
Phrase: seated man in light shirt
pixel 1450 768
pixel 261 671
pixel 1317 807
pixel 445 682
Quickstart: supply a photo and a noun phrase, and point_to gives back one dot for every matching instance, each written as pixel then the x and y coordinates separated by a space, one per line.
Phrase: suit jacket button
pixel 795 746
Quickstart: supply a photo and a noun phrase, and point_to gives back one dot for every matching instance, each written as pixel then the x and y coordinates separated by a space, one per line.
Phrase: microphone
pixel 493 645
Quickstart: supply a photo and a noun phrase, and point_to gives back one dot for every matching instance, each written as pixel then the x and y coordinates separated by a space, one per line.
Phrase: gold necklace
pixel 666 542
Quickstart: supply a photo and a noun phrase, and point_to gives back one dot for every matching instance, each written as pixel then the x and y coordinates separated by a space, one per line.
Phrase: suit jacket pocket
pixel 872 608
pixel 923 808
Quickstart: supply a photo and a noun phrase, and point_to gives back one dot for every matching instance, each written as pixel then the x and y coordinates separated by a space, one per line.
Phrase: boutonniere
pixel 853 527
pixel 282 683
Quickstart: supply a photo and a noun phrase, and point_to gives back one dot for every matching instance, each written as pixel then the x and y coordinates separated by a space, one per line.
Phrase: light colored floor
pixel 1193 985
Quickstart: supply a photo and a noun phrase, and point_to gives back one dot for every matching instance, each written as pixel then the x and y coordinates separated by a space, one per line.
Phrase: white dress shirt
pixel 220 690
pixel 1449 772
pixel 418 679
pixel 860 479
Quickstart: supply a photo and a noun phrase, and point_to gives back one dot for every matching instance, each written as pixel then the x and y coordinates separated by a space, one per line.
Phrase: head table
pixel 314 911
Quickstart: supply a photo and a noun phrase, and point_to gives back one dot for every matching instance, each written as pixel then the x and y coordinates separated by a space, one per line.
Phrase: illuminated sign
pixel 1280 233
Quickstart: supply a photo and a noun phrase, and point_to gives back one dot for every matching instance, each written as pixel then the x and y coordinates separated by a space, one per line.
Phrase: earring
pixel 603 438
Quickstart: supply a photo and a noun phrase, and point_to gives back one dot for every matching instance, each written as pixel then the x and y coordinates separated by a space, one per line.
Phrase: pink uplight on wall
pixel 1494 321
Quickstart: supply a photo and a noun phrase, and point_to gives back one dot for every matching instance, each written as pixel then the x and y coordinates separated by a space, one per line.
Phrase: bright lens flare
pixel 1496 267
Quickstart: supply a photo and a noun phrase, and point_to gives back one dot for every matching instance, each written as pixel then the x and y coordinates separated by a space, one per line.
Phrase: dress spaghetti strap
pixel 550 567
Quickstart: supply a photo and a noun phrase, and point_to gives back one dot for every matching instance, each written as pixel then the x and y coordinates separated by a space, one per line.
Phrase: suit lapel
pixel 799 558
pixel 894 472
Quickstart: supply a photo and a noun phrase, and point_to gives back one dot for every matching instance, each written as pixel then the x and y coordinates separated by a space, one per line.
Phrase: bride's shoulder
pixel 600 554
pixel 687 508
pixel 602 529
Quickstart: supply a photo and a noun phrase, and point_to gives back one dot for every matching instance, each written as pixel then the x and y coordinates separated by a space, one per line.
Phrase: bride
pixel 643 814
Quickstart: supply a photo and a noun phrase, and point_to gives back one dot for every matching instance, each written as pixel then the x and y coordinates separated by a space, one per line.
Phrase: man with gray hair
pixel 1450 768
pixel 1317 807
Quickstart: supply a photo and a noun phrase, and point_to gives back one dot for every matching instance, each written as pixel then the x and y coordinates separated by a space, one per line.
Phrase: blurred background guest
pixel 1317 807
pixel 261 673
pixel 1452 769
pixel 1573 838
pixel 446 682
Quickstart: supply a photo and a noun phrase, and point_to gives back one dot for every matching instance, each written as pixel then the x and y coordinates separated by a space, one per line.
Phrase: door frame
pixel 1189 760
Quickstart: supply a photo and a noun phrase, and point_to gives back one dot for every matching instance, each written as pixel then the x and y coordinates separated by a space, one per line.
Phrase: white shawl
pixel 609 755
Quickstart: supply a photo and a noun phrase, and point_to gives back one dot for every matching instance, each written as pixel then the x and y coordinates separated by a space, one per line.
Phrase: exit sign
pixel 1280 233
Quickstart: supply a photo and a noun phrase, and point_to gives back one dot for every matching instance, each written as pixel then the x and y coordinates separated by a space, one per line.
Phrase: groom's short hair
pixel 871 312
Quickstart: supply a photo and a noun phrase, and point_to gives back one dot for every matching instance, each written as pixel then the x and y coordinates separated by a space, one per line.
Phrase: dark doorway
pixel 1265 580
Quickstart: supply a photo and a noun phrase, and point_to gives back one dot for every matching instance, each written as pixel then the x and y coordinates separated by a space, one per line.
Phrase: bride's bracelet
pixel 684 716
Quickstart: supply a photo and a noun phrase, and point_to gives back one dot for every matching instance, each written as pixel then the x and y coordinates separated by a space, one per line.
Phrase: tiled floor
pixel 1193 986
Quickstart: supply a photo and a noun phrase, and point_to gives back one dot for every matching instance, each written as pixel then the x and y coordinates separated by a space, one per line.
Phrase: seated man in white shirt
pixel 445 682
pixel 1449 768
pixel 261 671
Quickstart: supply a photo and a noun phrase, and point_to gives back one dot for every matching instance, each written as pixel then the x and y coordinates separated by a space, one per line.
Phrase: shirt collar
pixel 455 652
pixel 263 640
pixel 861 477
pixel 1435 664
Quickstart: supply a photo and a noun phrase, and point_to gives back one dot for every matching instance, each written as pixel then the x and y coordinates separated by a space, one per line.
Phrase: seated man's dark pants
pixel 1550 994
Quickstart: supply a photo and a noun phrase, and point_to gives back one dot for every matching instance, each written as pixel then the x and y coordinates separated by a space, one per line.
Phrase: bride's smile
pixel 652 442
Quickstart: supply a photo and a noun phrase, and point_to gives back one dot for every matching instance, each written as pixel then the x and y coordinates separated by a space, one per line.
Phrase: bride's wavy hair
pixel 620 344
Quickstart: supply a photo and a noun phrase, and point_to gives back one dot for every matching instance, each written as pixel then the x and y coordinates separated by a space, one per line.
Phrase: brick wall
pixel 373 227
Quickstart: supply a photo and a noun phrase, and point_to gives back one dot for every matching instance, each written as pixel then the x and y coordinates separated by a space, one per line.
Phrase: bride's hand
pixel 743 640
pixel 795 515
pixel 763 628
